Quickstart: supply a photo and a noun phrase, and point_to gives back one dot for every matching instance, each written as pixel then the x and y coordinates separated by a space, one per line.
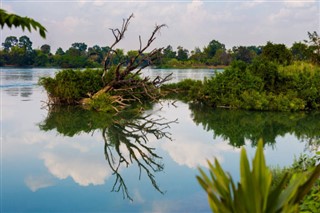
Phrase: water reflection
pixel 180 74
pixel 237 126
pixel 17 82
pixel 21 82
pixel 23 75
pixel 125 137
pixel 35 183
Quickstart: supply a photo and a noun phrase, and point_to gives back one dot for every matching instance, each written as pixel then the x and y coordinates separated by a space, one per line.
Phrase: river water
pixel 71 160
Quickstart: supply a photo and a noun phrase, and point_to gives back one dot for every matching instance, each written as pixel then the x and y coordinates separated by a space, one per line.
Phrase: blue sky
pixel 190 23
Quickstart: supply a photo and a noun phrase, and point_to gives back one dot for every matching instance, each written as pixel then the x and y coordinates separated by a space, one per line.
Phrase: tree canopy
pixel 80 55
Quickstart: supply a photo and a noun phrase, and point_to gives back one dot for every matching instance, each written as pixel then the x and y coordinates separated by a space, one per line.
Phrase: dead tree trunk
pixel 126 84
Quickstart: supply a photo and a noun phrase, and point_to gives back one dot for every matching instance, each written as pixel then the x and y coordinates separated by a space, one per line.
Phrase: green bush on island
pixel 118 86
pixel 70 86
pixel 261 85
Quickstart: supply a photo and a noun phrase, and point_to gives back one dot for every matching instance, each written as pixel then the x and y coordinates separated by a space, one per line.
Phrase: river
pixel 71 160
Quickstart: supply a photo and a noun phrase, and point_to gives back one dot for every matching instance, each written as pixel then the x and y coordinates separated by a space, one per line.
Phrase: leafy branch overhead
pixel 7 19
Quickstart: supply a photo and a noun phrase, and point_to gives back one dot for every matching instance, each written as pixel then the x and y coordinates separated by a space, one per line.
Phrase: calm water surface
pixel 71 160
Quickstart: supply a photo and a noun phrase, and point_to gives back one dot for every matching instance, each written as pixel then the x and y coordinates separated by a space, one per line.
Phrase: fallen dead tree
pixel 121 84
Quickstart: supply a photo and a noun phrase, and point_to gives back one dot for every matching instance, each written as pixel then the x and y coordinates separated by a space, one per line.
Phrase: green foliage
pixel 254 192
pixel 300 51
pixel 102 103
pixel 213 47
pixel 239 126
pixel 80 86
pixel 246 54
pixel 311 202
pixel 73 120
pixel 277 53
pixel 69 86
pixel 79 55
pixel 23 22
pixel 190 89
pixel 10 42
pixel 261 85
pixel 182 54
pixel 314 47
pixel 76 56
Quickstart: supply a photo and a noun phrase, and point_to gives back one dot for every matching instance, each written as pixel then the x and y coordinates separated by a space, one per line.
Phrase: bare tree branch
pixel 118 35
pixel 126 75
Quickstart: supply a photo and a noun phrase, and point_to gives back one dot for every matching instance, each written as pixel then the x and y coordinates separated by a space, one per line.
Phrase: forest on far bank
pixel 18 52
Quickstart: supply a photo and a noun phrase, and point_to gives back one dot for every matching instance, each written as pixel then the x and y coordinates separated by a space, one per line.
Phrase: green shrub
pixel 261 85
pixel 188 90
pixel 254 100
pixel 70 85
pixel 102 103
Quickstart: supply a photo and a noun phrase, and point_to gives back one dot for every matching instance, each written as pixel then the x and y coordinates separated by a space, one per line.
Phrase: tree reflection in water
pixel 134 134
pixel 237 126
pixel 125 136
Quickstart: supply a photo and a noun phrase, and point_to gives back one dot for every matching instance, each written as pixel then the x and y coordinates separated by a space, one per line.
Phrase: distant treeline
pixel 19 52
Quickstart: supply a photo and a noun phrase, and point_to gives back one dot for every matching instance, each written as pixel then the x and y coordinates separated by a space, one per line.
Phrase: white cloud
pixel 99 2
pixel 71 23
pixel 299 3
pixel 165 206
pixel 85 169
pixel 137 197
pixel 298 15
pixel 281 15
pixel 191 23
pixel 194 154
pixel 34 183
pixel 251 4
pixel 194 6
pixel 7 7
pixel 82 2
pixel 186 149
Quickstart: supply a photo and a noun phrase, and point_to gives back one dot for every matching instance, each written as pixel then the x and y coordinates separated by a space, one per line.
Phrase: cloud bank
pixel 190 23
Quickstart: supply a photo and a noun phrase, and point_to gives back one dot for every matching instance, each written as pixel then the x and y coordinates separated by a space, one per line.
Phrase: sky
pixel 190 24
